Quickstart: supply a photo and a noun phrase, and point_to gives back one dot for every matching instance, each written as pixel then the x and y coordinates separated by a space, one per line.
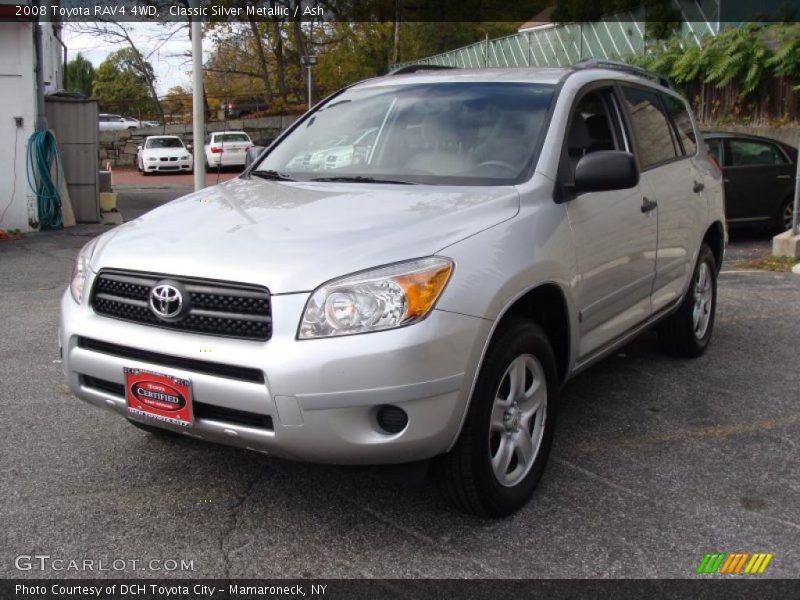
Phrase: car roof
pixel 152 137
pixel 608 70
pixel 746 136
pixel 736 134
pixel 511 75
pixel 227 132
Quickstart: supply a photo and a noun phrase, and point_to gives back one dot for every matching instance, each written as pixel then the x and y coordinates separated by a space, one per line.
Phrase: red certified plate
pixel 158 396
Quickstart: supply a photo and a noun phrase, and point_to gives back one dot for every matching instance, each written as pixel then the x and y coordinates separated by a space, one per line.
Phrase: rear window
pixel 230 137
pixel 651 126
pixel 683 124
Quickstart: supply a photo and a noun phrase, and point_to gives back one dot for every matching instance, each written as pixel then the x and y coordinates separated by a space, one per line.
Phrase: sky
pixel 170 60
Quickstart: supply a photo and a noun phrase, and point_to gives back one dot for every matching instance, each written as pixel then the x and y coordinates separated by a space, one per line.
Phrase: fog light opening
pixel 392 419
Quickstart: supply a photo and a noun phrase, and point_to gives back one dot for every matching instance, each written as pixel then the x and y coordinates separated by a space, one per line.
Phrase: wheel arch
pixel 547 305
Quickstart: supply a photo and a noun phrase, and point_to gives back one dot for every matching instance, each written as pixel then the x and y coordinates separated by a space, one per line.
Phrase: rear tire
pixel 687 332
pixel 502 451
pixel 784 220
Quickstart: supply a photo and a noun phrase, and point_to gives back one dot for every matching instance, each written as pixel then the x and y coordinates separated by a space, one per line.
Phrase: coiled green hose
pixel 42 153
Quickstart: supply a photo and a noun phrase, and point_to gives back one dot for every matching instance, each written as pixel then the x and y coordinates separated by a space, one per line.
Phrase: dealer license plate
pixel 158 396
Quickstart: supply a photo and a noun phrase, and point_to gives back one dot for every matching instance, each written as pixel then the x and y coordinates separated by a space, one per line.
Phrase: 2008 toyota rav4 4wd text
pixel 411 272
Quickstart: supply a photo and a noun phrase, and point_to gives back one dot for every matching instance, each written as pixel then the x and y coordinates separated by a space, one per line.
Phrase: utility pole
pixel 198 114
pixel 308 62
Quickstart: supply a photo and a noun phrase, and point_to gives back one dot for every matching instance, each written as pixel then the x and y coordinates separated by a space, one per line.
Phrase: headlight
pixel 80 270
pixel 375 300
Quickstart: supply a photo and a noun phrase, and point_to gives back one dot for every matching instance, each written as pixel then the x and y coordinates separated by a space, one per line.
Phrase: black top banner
pixel 732 11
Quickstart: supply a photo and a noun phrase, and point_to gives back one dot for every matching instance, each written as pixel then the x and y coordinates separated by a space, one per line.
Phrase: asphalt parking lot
pixel 656 462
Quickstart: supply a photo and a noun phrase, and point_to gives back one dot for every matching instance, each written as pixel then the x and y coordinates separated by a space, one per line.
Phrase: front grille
pixel 201 410
pixel 215 308
pixel 167 360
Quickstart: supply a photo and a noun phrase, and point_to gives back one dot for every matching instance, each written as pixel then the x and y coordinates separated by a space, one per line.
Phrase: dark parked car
pixel 759 177
pixel 235 110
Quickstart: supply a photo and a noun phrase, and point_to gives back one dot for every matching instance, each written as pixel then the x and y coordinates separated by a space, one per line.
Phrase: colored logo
pixel 734 563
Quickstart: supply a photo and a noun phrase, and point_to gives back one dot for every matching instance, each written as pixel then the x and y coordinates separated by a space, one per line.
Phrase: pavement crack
pixel 600 478
pixel 233 521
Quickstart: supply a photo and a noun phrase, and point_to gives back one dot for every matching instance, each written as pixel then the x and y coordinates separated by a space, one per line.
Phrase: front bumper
pixel 168 166
pixel 319 397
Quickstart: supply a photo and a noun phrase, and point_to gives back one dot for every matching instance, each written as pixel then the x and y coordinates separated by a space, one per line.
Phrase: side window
pixel 715 149
pixel 749 153
pixel 683 123
pixel 651 126
pixel 594 126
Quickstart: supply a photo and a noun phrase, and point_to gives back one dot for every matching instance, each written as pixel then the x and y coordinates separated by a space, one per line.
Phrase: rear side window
pixel 747 153
pixel 651 126
pixel 683 123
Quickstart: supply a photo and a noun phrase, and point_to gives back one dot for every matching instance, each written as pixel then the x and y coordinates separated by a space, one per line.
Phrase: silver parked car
pixel 501 231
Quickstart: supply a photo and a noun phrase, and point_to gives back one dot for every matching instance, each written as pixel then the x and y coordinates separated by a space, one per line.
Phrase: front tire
pixel 687 332
pixel 502 451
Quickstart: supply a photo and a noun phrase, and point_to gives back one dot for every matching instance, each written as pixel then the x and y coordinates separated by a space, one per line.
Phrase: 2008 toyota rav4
pixel 412 271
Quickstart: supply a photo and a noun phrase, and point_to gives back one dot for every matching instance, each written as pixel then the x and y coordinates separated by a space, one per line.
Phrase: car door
pixel 758 178
pixel 666 139
pixel 615 239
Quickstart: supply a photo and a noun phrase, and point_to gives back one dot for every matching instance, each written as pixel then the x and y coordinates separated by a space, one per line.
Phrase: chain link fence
pixel 559 45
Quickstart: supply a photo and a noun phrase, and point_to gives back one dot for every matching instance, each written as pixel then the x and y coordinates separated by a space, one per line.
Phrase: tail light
pixel 714 162
pixel 216 150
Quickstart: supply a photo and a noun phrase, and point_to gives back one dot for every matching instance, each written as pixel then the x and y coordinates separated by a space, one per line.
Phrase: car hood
pixel 164 152
pixel 292 236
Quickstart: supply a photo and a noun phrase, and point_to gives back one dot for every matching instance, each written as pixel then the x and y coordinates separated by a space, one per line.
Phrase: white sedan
pixel 227 149
pixel 162 154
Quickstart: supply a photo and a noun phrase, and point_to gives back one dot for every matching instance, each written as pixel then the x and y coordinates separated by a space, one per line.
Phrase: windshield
pixel 436 133
pixel 231 137
pixel 164 143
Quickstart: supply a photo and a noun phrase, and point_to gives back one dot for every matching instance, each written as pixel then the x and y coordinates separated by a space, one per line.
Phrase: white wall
pixel 18 99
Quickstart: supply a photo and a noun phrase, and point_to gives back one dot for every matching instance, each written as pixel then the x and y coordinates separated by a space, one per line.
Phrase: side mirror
pixel 188 146
pixel 253 152
pixel 606 170
pixel 138 147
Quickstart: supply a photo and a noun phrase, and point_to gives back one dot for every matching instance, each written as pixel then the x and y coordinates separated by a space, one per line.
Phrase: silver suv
pixel 412 271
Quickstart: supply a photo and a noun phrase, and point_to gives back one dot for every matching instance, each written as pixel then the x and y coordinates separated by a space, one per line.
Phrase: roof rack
pixel 616 65
pixel 416 68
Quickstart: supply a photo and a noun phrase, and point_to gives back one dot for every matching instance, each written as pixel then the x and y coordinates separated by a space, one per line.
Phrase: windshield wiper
pixel 272 175
pixel 363 179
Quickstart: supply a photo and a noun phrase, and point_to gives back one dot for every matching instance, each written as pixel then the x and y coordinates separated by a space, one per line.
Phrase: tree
pixel 79 75
pixel 119 33
pixel 120 87
pixel 178 102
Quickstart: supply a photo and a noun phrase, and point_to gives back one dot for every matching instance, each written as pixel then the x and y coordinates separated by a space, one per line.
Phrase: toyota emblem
pixel 166 301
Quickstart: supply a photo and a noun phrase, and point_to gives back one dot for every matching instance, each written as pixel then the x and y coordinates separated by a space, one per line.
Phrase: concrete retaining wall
pixel 119 147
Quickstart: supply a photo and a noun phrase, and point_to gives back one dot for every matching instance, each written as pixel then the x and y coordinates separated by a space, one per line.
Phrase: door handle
pixel 648 205
pixel 699 186
pixel 784 176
